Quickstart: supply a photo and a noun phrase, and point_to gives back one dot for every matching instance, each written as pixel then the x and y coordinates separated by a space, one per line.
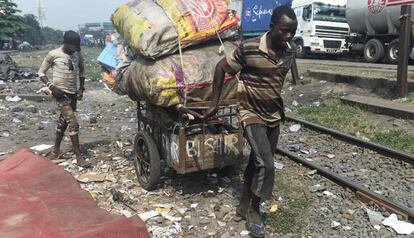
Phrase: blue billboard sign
pixel 256 14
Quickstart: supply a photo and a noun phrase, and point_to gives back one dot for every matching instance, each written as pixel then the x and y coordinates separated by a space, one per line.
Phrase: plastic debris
pixel 401 227
pixel 330 156
pixel 274 208
pixel 328 194
pixel 13 99
pixel 17 121
pixel 40 148
pixel 294 148
pixel 244 233
pixel 194 205
pixel 295 103
pixel 316 104
pixel 312 151
pixel 335 224
pixel 127 213
pixel 279 166
pixel 295 128
pixel 91 177
pixel 165 232
pixel 317 188
pixel 5 134
pixel 148 215
pixel 375 218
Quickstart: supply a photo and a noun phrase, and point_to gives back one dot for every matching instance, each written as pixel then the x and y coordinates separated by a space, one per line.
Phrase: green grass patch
pixel 352 120
pixel 34 59
pixel 294 208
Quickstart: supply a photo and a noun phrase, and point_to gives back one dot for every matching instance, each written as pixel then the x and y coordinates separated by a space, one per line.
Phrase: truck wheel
pixel 392 52
pixel 300 49
pixel 374 51
pixel 146 161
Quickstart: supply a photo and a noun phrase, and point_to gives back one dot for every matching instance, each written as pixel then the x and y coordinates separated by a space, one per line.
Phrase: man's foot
pixel 254 224
pixel 81 162
pixel 241 212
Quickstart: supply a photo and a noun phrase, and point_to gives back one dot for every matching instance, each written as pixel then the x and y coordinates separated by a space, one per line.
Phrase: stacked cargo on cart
pixel 164 58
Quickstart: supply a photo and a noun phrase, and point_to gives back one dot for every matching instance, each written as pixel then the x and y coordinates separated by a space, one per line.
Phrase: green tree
pixel 52 36
pixel 33 33
pixel 11 25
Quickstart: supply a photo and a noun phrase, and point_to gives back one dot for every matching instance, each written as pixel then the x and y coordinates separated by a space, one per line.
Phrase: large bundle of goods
pixel 170 81
pixel 140 60
pixel 157 28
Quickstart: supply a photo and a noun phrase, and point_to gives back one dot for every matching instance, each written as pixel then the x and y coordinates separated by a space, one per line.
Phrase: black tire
pixel 374 51
pixel 300 49
pixel 146 161
pixel 392 52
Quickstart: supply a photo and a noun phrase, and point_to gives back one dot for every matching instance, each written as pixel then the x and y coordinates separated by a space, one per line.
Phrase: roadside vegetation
pixel 352 120
pixel 33 59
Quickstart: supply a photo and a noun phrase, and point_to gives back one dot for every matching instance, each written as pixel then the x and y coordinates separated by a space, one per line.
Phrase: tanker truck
pixel 374 30
pixel 322 27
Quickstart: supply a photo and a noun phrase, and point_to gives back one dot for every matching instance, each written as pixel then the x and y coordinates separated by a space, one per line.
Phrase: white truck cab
pixel 322 27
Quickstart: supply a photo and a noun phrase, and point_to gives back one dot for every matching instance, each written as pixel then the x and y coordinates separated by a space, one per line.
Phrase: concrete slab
pixel 387 107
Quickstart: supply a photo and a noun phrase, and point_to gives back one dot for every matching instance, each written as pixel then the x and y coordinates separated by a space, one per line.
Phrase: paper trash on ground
pixel 295 128
pixel 401 227
pixel 148 215
pixel 13 99
pixel 40 148
pixel 375 218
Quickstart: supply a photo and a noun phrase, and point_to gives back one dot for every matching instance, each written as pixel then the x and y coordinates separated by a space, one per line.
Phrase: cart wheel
pixel 146 161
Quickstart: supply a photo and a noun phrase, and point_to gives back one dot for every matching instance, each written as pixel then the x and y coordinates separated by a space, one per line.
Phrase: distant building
pixel 94 34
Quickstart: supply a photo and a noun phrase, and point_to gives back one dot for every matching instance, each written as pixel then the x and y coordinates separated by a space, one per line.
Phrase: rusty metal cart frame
pixel 186 145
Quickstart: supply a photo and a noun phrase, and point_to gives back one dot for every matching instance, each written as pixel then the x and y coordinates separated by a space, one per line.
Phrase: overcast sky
pixel 68 14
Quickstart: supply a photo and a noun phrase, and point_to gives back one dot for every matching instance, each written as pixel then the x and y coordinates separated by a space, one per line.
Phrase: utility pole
pixel 41 14
pixel 403 52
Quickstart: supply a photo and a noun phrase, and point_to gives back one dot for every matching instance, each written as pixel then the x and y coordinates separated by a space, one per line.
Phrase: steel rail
pixel 356 141
pixel 362 192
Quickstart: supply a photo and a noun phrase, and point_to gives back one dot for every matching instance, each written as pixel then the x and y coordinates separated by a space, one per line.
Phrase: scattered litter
pixel 295 103
pixel 294 148
pixel 312 172
pixel 222 224
pixel 17 121
pixel 335 224
pixel 323 81
pixel 244 233
pixel 301 95
pixel 91 177
pixel 162 211
pixel 127 213
pixel 359 135
pixel 274 208
pixel 328 194
pixel 316 104
pixel 172 218
pixel 194 205
pixel 169 206
pixel 165 232
pixel 148 215
pixel 401 227
pixel 312 151
pixel 375 218
pixel 13 99
pixel 317 188
pixel 349 214
pixel 40 148
pixel 5 134
pixel 347 228
pixel 290 88
pixel 2 82
pixel 279 166
pixel 295 128
pixel 330 156
pixel 181 210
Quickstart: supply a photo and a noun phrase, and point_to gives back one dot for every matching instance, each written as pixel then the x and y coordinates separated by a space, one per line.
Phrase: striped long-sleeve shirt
pixel 261 81
pixel 66 69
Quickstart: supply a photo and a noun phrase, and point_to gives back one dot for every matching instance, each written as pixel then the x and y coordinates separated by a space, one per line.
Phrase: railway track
pixel 374 172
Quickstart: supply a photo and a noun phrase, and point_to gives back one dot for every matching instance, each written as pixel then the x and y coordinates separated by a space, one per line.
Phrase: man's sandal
pixel 256 230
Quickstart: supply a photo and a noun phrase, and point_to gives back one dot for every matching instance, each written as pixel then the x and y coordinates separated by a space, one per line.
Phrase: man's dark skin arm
pixel 218 81
pixel 79 94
